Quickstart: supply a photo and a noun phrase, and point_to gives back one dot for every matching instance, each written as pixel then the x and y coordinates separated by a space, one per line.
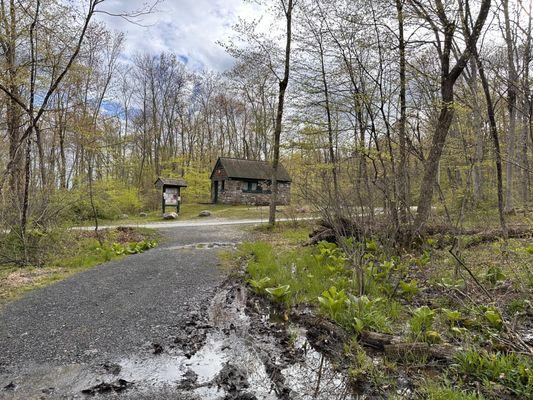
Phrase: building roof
pixel 171 182
pixel 250 169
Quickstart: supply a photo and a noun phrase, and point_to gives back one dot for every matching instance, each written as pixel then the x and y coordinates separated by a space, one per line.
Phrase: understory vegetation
pixel 450 334
pixel 75 252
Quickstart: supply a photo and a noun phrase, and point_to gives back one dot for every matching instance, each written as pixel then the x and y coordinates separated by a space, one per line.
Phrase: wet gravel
pixel 166 324
pixel 115 308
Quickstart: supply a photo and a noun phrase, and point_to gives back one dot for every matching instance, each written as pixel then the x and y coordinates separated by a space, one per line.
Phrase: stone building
pixel 240 181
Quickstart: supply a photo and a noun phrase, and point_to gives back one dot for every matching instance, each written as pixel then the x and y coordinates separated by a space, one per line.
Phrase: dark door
pixel 215 197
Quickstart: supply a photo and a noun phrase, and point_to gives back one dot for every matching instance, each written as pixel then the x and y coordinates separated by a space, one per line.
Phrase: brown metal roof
pixel 172 182
pixel 251 169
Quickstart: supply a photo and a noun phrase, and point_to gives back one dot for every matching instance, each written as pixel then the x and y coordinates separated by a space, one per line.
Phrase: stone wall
pixel 233 194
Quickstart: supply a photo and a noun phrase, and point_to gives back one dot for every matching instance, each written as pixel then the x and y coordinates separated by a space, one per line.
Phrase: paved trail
pixel 110 311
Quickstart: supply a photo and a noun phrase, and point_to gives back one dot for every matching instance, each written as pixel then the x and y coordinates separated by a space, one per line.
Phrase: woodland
pixel 392 107
pixel 406 126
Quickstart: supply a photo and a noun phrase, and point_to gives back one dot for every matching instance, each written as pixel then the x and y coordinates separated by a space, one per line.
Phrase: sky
pixel 188 28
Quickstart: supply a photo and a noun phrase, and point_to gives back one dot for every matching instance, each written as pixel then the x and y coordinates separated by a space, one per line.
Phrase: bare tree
pixel 444 37
pixel 288 7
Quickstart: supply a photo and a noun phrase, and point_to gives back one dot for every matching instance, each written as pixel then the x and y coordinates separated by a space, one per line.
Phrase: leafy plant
pixel 421 321
pixel 133 247
pixel 118 249
pixel 494 318
pixel 450 283
pixel 331 256
pixel 279 293
pixel 458 331
pixel 452 316
pixel 432 337
pixel 432 242
pixel 106 252
pixel 425 258
pixel 409 289
pixel 494 275
pixel 371 246
pixel 368 314
pixel 333 300
pixel 260 284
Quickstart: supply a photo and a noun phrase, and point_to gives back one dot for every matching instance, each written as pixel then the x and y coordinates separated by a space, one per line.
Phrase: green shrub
pixel 111 199
pixel 39 247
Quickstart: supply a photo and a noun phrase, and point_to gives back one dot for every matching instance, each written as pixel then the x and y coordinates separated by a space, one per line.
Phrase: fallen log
pixel 331 231
pixel 420 350
pixel 378 340
pixel 395 348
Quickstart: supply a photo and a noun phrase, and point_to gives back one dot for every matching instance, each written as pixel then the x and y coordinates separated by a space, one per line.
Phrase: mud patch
pixel 106 387
pixel 228 350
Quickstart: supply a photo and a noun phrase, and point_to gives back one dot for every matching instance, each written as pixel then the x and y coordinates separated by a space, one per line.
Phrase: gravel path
pixel 198 223
pixel 114 309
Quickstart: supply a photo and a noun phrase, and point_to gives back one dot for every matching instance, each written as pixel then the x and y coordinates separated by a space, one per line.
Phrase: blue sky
pixel 189 28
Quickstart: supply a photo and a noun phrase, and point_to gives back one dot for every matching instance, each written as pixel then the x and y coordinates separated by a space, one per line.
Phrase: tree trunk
pixel 432 162
pixel 477 176
pixel 403 184
pixel 495 141
pixel 526 112
pixel 331 142
pixel 279 115
pixel 512 81
pixel 448 79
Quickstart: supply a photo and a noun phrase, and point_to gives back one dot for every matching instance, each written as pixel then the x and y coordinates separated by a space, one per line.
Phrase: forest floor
pixel 436 323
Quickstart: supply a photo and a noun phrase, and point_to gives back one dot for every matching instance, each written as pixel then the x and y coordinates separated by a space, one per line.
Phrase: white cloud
pixel 188 28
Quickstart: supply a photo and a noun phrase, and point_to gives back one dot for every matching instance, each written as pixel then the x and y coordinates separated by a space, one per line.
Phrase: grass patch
pixel 510 374
pixel 317 276
pixel 447 392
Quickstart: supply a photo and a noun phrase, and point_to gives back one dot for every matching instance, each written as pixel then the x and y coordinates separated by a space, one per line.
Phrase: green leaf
pixel 278 292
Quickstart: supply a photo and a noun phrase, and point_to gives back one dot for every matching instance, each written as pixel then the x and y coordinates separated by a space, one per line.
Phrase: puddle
pixel 315 377
pixel 205 246
pixel 229 353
